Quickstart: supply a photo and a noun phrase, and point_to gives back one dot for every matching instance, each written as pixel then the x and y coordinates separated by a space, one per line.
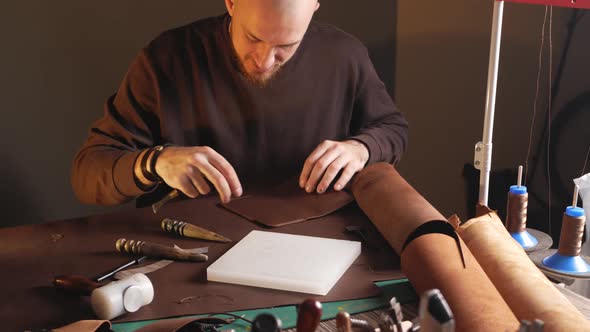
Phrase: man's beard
pixel 258 81
pixel 261 82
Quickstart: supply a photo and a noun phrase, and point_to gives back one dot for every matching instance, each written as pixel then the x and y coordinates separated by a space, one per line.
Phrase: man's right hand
pixel 189 168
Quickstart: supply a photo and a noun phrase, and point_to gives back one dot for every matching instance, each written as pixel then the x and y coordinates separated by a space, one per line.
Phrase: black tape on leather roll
pixel 438 227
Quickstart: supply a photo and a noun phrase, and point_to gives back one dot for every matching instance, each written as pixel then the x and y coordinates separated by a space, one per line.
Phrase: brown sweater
pixel 184 88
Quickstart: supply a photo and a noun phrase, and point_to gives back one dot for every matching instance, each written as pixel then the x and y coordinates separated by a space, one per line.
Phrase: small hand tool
pixel 361 325
pixel 309 314
pixel 113 299
pixel 394 315
pixel 525 326
pixel 122 296
pixel 343 322
pixel 538 325
pixel 75 284
pixel 189 230
pixel 266 322
pixel 170 196
pixel 105 275
pixel 157 251
pixel 434 312
pixel 81 285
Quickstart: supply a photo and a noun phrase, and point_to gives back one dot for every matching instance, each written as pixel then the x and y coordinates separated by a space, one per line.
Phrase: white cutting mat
pixel 284 261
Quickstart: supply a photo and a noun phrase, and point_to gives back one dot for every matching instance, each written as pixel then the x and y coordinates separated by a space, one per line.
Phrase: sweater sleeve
pixel 102 170
pixel 376 122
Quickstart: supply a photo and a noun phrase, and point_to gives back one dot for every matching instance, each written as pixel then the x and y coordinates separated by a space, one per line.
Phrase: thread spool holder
pixel 566 268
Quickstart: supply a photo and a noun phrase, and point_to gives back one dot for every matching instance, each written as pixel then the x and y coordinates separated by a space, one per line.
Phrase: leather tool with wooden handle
pixel 343 322
pixel 170 196
pixel 189 230
pixel 157 251
pixel 75 284
pixel 309 315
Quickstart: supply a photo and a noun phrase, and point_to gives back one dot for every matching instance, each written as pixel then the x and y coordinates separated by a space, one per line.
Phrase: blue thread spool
pixel 567 259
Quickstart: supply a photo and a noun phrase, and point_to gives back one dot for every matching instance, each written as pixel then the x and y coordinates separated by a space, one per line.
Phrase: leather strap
pixel 439 227
pixel 149 173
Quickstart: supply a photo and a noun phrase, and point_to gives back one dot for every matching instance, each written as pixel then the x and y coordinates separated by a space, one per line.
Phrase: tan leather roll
pixel 527 291
pixel 391 203
pixel 431 260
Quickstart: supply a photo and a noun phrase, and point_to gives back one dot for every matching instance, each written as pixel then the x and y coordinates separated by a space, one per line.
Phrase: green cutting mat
pixel 400 288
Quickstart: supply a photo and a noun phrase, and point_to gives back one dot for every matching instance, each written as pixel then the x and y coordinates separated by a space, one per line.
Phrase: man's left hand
pixel 327 160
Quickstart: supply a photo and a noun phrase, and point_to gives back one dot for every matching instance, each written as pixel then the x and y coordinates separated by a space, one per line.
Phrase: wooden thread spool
pixel 157 251
pixel 570 240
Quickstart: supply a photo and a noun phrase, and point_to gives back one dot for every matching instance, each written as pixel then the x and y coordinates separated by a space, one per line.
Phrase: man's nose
pixel 265 58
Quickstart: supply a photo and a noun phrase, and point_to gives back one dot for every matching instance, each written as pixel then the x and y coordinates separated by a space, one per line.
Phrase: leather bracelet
pixel 138 182
pixel 143 165
pixel 156 153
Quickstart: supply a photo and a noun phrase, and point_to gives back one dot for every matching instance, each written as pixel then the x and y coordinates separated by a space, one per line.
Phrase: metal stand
pixel 483 149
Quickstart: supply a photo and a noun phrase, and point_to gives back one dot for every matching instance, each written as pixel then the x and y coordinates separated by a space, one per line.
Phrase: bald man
pixel 259 92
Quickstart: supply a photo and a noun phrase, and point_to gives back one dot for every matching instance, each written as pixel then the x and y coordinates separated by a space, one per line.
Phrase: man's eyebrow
pixel 252 36
pixel 290 45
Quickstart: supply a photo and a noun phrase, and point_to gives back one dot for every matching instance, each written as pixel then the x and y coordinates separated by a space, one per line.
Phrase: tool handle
pixel 343 322
pixel 158 250
pixel 171 195
pixel 309 315
pixel 112 272
pixel 266 322
pixel 182 228
pixel 75 284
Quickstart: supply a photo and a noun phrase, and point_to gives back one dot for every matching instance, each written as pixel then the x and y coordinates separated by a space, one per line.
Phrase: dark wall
pixel 61 60
pixel 561 153
pixel 442 64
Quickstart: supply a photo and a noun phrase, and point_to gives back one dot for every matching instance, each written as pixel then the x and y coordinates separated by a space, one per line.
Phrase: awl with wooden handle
pixel 157 251
pixel 309 314
pixel 193 231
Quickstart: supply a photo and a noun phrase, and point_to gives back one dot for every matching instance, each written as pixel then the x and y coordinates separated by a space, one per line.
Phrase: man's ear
pixel 229 4
pixel 317 6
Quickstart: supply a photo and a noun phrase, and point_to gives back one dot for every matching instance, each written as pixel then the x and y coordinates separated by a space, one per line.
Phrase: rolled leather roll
pixel 430 260
pixel 523 286
pixel 394 206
